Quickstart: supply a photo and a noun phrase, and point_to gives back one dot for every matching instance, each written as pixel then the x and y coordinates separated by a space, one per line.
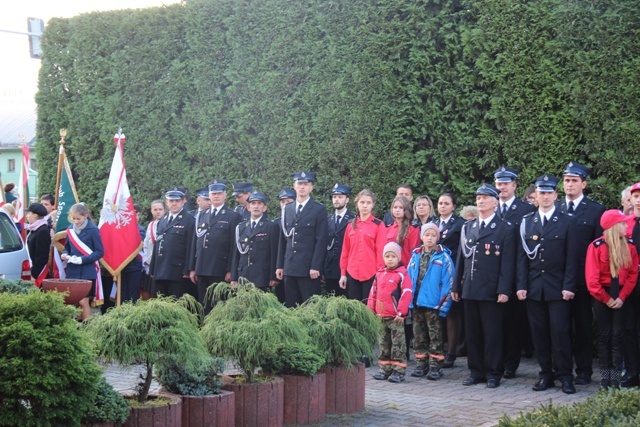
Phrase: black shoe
pixel 448 361
pixel 493 383
pixel 420 371
pixel 508 374
pixel 630 382
pixel 381 376
pixel 583 379
pixel 365 359
pixel 396 378
pixel 542 384
pixel 434 374
pixel 568 387
pixel 472 381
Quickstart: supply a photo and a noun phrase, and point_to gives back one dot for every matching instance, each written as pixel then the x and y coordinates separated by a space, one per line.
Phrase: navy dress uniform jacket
pixel 516 211
pixel 214 243
pixel 553 269
pixel 489 270
pixel 450 234
pixel 171 252
pixel 334 245
pixel 258 264
pixel 306 248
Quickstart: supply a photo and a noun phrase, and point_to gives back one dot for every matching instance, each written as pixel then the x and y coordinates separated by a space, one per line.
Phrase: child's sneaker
pixel 381 376
pixel 420 371
pixel 434 374
pixel 396 378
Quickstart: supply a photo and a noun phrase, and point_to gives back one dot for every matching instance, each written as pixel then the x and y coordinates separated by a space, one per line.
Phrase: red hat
pixel 635 187
pixel 612 217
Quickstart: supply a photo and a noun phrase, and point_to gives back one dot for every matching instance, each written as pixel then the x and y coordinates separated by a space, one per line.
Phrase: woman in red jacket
pixel 611 272
pixel 362 241
pixel 401 231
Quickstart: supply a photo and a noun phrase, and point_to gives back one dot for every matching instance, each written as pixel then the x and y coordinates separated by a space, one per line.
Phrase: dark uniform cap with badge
pixel 505 174
pixel 304 176
pixel 488 190
pixel 576 169
pixel 175 193
pixel 242 187
pixel 203 192
pixel 341 189
pixel 286 193
pixel 546 183
pixel 217 186
pixel 259 196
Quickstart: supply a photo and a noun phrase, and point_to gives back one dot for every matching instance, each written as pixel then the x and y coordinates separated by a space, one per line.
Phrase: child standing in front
pixel 431 272
pixel 389 298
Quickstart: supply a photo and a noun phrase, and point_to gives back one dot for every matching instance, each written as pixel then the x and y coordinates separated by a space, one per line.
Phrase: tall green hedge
pixel 373 93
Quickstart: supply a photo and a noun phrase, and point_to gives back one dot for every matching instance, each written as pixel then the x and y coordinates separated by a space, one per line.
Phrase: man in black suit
pixel 336 225
pixel 303 243
pixel 547 282
pixel 484 280
pixel 586 215
pixel 285 196
pixel 256 242
pixel 512 209
pixel 169 265
pixel 214 245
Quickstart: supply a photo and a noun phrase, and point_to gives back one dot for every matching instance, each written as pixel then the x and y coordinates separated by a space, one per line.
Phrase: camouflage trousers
pixel 393 347
pixel 428 343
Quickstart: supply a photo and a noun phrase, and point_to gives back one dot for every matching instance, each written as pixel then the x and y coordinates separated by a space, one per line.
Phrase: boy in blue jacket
pixel 431 271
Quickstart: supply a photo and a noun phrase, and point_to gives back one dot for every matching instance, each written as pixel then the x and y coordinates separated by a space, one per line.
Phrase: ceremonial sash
pixel 86 251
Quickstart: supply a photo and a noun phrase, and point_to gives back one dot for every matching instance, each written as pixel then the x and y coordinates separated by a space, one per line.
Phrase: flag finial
pixel 63 133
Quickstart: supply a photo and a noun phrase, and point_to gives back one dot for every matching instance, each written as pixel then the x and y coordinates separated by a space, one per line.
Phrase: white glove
pixel 75 260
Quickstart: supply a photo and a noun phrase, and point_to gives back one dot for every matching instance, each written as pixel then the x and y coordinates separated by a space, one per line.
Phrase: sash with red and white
pixel 86 251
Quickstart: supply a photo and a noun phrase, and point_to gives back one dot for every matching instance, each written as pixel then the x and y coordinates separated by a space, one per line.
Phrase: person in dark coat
pixel 242 191
pixel 214 243
pixel 586 214
pixel 547 284
pixel 169 265
pixel 303 243
pixel 38 241
pixel 285 196
pixel 485 274
pixel 516 331
pixel 256 241
pixel 336 226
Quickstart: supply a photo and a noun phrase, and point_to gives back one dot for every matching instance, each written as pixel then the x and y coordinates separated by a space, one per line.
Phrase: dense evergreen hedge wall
pixel 373 93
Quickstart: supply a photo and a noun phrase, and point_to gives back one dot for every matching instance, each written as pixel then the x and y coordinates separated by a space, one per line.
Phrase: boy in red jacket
pixel 389 298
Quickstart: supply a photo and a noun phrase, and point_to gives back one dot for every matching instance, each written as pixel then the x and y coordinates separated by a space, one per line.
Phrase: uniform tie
pixel 571 207
pixel 253 225
pixel 299 210
pixel 338 218
pixel 170 219
pixel 482 225
pixel 504 210
pixel 544 221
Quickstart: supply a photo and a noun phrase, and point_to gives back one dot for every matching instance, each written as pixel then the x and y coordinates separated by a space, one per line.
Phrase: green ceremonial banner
pixel 67 196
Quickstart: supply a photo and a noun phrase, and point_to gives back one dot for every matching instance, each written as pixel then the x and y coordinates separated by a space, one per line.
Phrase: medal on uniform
pixel 497 250
pixel 535 237
pixel 487 246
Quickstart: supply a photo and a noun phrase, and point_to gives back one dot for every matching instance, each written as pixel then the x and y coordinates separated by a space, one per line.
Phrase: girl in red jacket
pixel 389 298
pixel 611 272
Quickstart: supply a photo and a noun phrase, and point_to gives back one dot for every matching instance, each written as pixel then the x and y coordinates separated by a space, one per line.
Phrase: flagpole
pixel 63 133
pixel 119 289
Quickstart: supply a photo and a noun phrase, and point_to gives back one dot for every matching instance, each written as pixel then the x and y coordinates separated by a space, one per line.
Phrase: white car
pixel 14 257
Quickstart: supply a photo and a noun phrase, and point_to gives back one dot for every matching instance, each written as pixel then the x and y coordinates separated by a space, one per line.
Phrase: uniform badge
pixel 493 225
pixel 487 246
pixel 535 237
pixel 474 225
pixel 497 250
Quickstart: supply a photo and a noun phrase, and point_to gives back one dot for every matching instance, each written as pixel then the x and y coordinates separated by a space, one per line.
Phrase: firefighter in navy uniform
pixel 586 214
pixel 485 274
pixel 256 242
pixel 303 243
pixel 516 331
pixel 169 264
pixel 203 202
pixel 547 283
pixel 241 191
pixel 336 225
pixel 214 245
pixel 286 195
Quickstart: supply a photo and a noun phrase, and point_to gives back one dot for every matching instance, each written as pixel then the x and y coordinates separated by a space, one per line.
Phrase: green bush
pixel 302 360
pixel 48 376
pixel 108 406
pixel 606 408
pixel 16 286
pixel 201 380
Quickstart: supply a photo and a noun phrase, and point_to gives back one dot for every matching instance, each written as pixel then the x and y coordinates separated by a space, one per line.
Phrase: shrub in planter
pixel 47 371
pixel 108 406
pixel 152 331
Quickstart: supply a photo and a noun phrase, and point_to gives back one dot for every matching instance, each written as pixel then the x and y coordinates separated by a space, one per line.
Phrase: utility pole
pixel 35 28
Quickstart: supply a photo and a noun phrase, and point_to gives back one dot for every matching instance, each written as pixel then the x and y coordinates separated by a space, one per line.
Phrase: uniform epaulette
pixel 376 221
pixel 529 214
pixel 598 242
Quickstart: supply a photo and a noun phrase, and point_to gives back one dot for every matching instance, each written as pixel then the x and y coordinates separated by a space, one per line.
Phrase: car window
pixel 9 238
